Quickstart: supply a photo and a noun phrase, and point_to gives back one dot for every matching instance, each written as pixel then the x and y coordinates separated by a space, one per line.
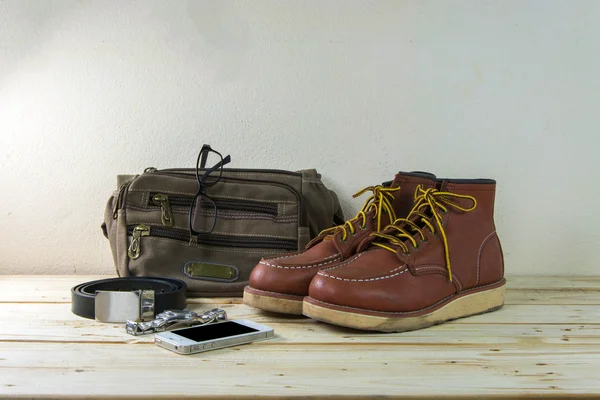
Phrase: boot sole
pixel 461 306
pixel 271 301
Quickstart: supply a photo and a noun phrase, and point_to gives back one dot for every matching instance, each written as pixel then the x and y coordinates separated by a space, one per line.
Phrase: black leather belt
pixel 123 299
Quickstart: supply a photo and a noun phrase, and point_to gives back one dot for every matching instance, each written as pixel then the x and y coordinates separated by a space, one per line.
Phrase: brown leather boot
pixel 441 263
pixel 280 284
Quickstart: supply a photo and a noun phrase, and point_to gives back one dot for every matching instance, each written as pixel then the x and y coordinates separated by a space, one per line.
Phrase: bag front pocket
pixel 211 265
pixel 138 232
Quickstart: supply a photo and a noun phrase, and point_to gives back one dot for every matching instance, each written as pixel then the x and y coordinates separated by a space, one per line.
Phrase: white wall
pixel 507 90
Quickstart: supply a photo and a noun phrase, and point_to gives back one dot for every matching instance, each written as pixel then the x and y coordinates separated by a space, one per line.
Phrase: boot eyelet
pixel 363 228
pixel 406 253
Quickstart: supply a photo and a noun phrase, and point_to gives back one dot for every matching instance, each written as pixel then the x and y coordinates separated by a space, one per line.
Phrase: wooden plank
pixel 539 296
pixel 260 369
pixel 512 296
pixel 41 288
pixel 554 282
pixel 514 324
pixel 518 296
pixel 57 289
pixel 513 314
pixel 521 290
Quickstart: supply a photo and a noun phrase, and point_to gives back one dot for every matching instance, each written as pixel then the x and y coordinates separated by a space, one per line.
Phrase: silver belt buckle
pixel 123 306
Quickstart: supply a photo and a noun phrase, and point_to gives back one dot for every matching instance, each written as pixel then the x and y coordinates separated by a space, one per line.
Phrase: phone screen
pixel 214 331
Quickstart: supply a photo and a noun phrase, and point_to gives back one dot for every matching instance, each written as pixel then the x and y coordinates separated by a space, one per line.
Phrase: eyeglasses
pixel 203 216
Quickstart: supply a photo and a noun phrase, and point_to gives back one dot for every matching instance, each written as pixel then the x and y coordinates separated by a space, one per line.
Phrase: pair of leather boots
pixel 421 251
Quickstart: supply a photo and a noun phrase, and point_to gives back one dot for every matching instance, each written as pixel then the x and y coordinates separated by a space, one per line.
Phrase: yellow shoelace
pixel 380 201
pixel 431 199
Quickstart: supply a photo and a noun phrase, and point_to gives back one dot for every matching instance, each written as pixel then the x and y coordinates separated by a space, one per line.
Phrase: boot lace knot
pixel 429 203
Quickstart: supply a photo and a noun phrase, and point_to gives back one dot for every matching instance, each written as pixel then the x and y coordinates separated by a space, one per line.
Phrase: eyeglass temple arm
pixel 218 165
pixel 203 156
pixel 206 149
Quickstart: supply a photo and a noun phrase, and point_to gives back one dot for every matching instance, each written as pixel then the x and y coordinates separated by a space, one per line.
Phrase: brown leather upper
pixel 378 280
pixel 292 274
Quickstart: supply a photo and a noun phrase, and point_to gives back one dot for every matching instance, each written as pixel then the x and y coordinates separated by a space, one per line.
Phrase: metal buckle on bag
pixel 136 305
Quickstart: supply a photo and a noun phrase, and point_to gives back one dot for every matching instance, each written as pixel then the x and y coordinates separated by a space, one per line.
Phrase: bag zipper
pixel 191 172
pixel 120 199
pixel 225 170
pixel 166 202
pixel 139 231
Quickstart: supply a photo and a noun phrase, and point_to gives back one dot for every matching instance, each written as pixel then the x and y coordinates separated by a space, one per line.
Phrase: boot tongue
pixel 400 177
pixel 417 174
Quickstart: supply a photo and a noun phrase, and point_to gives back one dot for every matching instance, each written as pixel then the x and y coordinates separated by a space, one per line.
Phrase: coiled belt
pixel 131 298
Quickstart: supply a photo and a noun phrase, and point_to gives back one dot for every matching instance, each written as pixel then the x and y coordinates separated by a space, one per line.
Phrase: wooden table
pixel 544 342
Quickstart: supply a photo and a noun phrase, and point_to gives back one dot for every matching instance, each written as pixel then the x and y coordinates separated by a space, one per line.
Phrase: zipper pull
pixel 162 200
pixel 134 248
pixel 150 170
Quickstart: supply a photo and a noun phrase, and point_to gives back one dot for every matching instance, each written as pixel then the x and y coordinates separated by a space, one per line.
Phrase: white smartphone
pixel 212 336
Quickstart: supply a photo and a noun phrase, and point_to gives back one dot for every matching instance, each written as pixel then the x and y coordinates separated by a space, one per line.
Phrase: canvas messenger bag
pixel 210 225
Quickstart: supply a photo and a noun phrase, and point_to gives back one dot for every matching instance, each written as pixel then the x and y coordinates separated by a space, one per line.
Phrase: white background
pixel 359 90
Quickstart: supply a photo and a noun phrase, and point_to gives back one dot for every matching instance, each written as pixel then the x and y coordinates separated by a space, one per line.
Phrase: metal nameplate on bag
pixel 124 306
pixel 206 270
